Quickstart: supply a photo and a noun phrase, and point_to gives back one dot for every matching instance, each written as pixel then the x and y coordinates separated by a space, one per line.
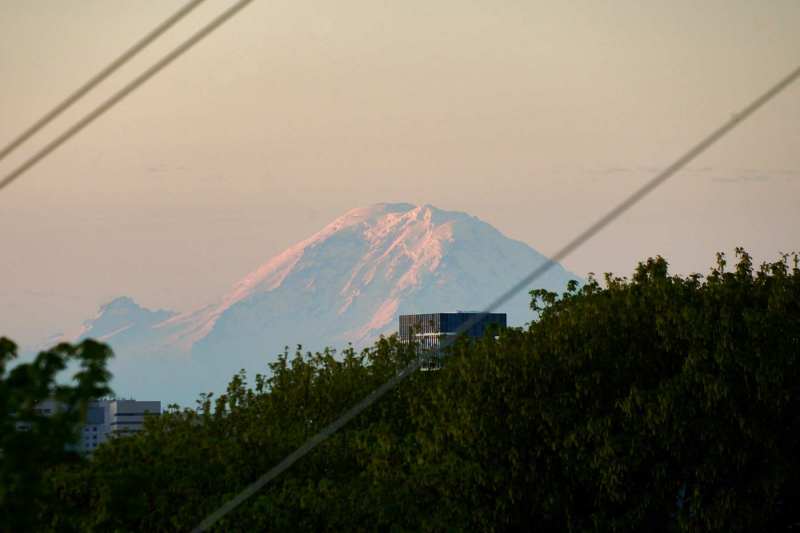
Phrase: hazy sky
pixel 534 116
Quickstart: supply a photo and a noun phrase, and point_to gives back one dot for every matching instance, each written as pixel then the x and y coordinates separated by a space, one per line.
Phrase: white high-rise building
pixel 106 419
pixel 127 416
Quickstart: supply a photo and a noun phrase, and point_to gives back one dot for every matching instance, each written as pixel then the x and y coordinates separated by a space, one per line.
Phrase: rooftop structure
pixel 431 331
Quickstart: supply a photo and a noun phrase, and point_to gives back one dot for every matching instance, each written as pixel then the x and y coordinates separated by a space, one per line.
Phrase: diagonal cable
pixel 309 445
pixel 634 198
pixel 570 247
pixel 125 91
pixel 98 78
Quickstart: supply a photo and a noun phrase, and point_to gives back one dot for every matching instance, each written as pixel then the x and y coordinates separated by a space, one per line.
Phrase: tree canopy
pixel 658 402
pixel 31 442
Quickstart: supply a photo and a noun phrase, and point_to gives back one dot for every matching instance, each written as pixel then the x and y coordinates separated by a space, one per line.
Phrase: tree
pixel 32 442
pixel 658 402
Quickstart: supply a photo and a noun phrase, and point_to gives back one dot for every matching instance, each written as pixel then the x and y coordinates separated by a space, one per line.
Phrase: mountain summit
pixel 345 284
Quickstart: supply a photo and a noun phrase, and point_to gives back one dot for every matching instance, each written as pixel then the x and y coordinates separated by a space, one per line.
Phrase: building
pixel 94 431
pixel 106 419
pixel 127 416
pixel 431 332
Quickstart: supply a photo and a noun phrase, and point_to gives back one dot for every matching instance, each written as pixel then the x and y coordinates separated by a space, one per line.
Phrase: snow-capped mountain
pixel 345 284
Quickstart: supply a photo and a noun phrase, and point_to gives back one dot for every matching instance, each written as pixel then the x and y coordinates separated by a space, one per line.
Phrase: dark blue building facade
pixel 431 331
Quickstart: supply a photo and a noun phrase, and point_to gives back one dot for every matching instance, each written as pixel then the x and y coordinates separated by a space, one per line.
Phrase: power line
pixel 637 195
pixel 570 247
pixel 308 446
pixel 99 77
pixel 125 91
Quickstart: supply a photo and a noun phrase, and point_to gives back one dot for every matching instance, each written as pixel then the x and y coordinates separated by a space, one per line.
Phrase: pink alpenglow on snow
pixel 347 283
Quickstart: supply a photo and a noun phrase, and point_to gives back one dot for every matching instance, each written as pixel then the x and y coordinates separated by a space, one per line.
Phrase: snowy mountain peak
pixel 394 233
pixel 347 283
pixel 366 267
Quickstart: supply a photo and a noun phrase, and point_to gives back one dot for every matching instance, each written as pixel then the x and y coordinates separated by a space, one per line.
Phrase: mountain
pixel 125 324
pixel 345 284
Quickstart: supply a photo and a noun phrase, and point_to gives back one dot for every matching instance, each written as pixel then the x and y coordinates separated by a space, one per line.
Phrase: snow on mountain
pixel 345 284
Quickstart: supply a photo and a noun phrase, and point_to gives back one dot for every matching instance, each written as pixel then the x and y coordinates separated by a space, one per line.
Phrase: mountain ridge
pixel 345 284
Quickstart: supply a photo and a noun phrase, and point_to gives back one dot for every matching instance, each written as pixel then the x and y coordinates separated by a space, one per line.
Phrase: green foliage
pixel 658 403
pixel 653 403
pixel 32 442
pixel 188 462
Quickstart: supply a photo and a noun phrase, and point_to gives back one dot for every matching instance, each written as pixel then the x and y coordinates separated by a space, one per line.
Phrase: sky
pixel 534 116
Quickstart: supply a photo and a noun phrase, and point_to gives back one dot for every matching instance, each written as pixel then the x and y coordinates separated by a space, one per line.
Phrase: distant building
pixel 105 419
pixel 127 416
pixel 95 430
pixel 431 331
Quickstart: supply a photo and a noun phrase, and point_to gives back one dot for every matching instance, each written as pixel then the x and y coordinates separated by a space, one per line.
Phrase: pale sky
pixel 534 116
